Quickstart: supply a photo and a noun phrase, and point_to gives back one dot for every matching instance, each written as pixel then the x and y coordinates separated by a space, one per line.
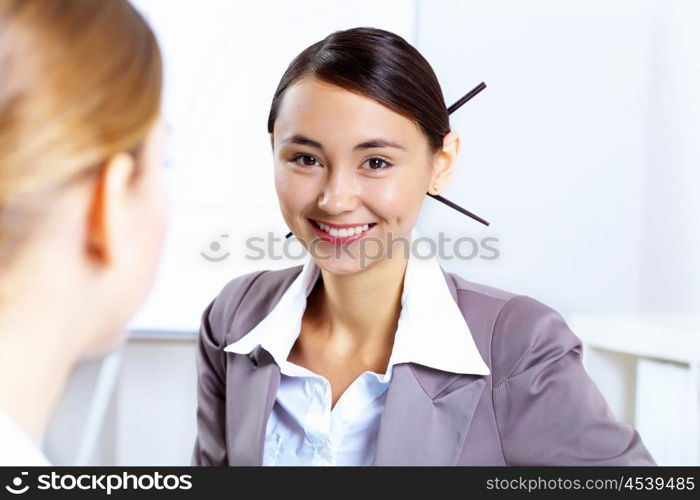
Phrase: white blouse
pixel 16 448
pixel 302 428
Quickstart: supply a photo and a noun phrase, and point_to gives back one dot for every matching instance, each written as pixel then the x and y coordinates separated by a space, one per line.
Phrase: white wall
pixel 555 147
pixel 670 267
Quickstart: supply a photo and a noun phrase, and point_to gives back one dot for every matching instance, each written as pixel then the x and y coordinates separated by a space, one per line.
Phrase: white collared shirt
pixel 302 428
pixel 16 448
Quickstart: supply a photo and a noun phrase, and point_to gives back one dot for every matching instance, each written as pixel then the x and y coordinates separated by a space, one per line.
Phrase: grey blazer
pixel 538 406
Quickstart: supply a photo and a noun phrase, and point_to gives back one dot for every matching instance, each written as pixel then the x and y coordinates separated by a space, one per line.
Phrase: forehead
pixel 333 115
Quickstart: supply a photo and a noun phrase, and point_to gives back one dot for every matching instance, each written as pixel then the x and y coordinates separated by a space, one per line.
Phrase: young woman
pixel 368 354
pixel 81 196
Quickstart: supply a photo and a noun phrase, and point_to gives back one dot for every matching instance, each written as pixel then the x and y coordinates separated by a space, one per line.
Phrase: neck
pixel 36 359
pixel 364 306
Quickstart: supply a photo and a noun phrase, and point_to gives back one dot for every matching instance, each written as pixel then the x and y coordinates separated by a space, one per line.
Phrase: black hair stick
pixel 458 208
pixel 466 97
pixel 437 197
pixel 451 110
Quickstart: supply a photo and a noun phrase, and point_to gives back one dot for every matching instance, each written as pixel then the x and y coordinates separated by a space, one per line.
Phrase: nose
pixel 339 193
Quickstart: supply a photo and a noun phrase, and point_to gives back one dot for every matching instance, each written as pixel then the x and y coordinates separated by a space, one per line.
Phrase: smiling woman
pixel 369 354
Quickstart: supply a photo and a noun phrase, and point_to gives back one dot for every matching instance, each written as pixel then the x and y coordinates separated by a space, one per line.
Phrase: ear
pixel 106 209
pixel 272 141
pixel 444 163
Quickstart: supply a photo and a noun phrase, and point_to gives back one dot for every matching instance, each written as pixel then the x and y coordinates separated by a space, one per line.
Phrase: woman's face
pixel 350 173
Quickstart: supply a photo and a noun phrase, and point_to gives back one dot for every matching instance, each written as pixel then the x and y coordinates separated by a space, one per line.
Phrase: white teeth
pixel 342 233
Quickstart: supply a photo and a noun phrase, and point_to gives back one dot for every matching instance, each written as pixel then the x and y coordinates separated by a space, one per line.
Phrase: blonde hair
pixel 80 80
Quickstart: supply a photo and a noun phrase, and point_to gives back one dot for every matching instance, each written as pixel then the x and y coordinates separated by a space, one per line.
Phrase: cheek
pixel 295 192
pixel 159 228
pixel 152 212
pixel 106 344
pixel 397 200
pixel 156 200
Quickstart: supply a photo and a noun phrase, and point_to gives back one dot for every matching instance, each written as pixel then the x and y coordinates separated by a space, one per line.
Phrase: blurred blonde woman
pixel 82 205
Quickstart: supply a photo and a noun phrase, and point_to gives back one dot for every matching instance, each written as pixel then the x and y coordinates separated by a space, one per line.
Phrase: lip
pixel 336 239
pixel 340 226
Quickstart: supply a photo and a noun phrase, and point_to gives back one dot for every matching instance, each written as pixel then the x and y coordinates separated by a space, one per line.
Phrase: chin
pixel 343 266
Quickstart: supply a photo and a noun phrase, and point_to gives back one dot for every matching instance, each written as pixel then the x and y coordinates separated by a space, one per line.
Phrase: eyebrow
pixel 377 142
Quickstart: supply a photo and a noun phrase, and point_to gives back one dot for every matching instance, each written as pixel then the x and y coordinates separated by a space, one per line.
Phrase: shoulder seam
pixel 494 387
pixel 240 299
pixel 494 330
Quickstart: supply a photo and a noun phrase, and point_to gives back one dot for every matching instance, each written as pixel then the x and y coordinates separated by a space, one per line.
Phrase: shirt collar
pixel 431 330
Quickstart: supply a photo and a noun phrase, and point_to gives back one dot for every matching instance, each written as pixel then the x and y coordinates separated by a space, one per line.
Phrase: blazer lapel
pixel 252 383
pixel 427 413
pixel 426 416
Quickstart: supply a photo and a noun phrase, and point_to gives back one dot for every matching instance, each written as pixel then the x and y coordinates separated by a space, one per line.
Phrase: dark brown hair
pixel 380 65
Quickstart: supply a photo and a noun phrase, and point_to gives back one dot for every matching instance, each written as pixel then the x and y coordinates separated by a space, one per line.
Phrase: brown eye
pixel 376 164
pixel 306 160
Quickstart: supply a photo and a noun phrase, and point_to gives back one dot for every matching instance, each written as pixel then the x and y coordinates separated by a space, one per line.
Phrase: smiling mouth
pixel 343 233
